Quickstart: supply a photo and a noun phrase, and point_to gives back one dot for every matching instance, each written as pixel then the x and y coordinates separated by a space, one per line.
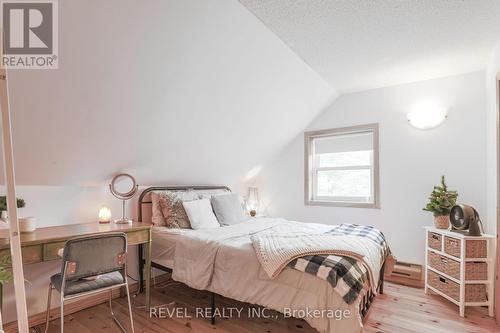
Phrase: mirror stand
pixel 123 186
pixel 123 220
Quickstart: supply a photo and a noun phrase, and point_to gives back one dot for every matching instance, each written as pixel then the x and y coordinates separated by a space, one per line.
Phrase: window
pixel 341 167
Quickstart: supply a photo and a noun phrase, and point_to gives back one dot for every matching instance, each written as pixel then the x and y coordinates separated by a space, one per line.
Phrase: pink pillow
pixel 169 210
pixel 156 215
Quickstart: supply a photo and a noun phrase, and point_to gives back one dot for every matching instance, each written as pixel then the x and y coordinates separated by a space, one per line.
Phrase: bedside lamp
pixel 104 215
pixel 253 201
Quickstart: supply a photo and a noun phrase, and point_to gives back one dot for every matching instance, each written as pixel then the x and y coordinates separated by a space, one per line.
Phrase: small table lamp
pixel 104 215
pixel 253 201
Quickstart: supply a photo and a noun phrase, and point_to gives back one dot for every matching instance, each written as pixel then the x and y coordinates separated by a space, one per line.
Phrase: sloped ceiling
pixel 364 44
pixel 182 91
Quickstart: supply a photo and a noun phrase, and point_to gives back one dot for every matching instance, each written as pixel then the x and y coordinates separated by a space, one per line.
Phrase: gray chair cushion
pixel 84 285
pixel 228 209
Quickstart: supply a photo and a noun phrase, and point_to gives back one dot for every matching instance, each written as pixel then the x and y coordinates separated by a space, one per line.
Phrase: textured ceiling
pixel 364 44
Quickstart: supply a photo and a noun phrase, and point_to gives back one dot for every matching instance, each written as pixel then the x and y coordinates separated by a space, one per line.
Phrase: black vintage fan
pixel 465 219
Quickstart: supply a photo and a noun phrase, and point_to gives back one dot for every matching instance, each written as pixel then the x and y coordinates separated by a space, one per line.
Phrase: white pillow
pixel 200 214
pixel 228 209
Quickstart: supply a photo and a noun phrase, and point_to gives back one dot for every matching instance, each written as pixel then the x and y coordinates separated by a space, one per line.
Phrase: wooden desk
pixel 43 244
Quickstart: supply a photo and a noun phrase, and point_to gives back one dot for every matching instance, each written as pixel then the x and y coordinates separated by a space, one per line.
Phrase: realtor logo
pixel 30 34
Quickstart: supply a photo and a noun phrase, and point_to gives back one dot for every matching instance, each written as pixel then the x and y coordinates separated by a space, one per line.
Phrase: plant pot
pixel 27 224
pixel 442 221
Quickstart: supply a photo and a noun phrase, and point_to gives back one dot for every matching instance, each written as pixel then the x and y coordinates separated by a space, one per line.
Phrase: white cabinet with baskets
pixel 460 268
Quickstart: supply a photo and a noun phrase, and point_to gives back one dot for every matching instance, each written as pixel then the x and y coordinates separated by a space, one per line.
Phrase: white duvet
pixel 223 260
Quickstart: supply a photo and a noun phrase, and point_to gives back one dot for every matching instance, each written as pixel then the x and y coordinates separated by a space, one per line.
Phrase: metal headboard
pixel 141 201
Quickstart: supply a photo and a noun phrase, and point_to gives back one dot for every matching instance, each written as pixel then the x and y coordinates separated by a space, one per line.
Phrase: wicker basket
pixel 442 221
pixel 452 246
pixel 444 285
pixel 443 264
pixel 473 248
pixel 434 241
pixel 473 270
pixel 473 292
pixel 476 248
pixel 476 270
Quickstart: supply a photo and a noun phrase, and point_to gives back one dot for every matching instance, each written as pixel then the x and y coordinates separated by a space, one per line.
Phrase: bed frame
pixel 365 302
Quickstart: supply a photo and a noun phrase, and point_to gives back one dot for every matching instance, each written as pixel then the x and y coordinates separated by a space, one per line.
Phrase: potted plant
pixel 3 205
pixel 5 272
pixel 440 203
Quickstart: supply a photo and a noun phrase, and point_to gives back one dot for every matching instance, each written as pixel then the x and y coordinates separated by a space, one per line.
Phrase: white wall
pixel 59 205
pixel 173 92
pixel 492 76
pixel 411 160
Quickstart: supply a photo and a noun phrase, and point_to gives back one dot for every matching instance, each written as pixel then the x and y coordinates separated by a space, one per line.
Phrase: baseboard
pixel 69 308
pixel 407 274
pixel 405 281
pixel 77 305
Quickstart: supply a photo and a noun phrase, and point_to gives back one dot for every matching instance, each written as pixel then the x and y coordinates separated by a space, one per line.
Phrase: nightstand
pixel 460 268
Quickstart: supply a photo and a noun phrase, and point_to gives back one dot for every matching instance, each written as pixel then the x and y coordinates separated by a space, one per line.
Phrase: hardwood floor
pixel 401 309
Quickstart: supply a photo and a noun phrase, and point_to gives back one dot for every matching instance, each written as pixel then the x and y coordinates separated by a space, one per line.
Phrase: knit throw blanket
pixel 348 256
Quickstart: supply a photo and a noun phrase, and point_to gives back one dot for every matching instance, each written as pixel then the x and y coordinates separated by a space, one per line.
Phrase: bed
pixel 225 263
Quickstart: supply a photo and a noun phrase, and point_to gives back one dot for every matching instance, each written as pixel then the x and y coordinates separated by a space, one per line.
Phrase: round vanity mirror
pixel 124 187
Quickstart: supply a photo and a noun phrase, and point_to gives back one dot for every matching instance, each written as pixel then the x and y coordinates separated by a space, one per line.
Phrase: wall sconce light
pixel 104 215
pixel 426 116
pixel 253 200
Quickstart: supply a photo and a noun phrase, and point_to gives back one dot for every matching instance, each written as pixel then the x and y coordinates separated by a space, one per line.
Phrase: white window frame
pixel 310 183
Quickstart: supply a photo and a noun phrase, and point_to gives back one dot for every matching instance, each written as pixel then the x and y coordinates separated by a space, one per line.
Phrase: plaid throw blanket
pixel 346 275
